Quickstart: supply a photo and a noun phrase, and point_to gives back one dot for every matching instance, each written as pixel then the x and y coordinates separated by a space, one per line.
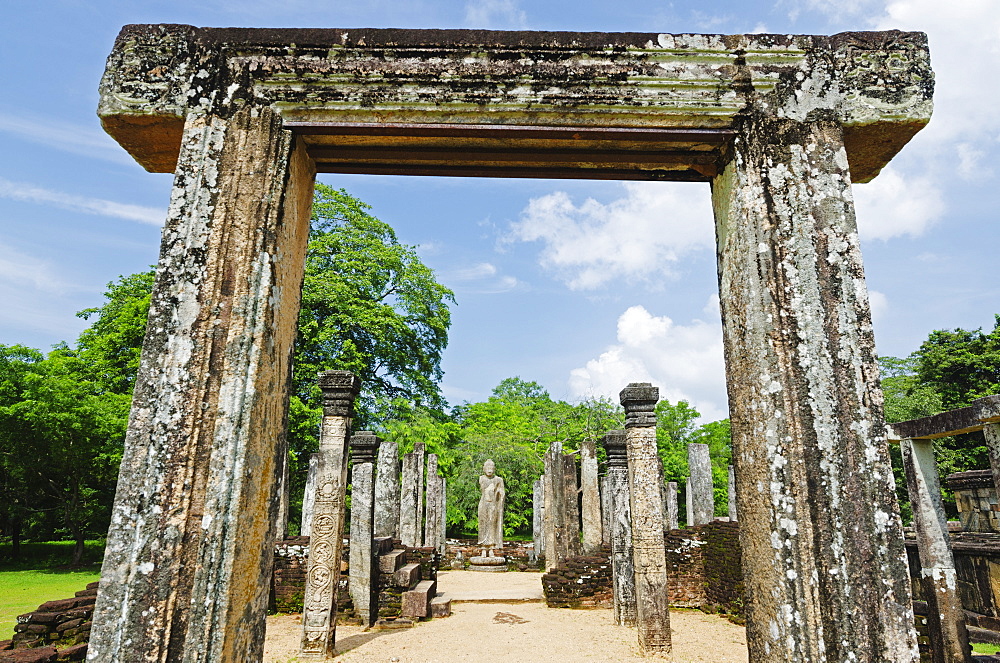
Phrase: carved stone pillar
pixel 700 484
pixel 387 490
pixel 319 604
pixel 945 615
pixel 189 549
pixel 622 567
pixel 605 511
pixel 363 565
pixel 823 556
pixel 309 496
pixel 590 504
pixel 648 554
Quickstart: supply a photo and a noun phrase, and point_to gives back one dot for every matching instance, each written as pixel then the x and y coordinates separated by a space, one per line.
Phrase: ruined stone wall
pixel 289 578
pixel 56 631
pixel 703 571
pixel 581 582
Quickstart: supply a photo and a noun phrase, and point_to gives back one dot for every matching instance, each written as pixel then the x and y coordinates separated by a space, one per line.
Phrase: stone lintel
pixel 983 411
pixel 877 84
pixel 364 447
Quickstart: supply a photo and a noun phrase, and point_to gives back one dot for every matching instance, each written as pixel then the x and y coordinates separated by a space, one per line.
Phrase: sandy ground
pixel 513 627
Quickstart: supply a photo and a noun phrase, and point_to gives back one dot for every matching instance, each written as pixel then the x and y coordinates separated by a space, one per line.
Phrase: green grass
pixel 24 591
pixel 983 648
pixel 42 574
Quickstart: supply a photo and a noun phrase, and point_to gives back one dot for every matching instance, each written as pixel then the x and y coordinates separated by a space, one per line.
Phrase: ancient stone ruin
pixel 780 125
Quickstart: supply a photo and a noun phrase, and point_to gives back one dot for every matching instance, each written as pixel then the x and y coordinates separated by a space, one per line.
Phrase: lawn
pixel 42 575
pixel 23 591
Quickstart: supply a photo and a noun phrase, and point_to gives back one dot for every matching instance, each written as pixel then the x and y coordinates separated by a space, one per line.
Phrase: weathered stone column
pixel 556 550
pixel 419 449
pixel 572 513
pixel 590 504
pixel 362 580
pixel 700 484
pixel 538 516
pixel 652 617
pixel 410 530
pixel 319 603
pixel 622 568
pixel 387 490
pixel 435 503
pixel 605 511
pixel 671 517
pixel 823 556
pixel 309 496
pixel 731 492
pixel 189 549
pixel 688 508
pixel 945 616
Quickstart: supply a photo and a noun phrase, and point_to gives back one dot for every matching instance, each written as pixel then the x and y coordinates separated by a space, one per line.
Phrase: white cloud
pixel 87 141
pixel 638 237
pixel 33 194
pixel 483 278
pixel 894 204
pixel 879 304
pixel 494 14
pixel 684 361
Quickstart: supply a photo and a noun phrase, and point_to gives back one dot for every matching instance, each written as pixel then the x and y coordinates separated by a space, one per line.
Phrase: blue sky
pixel 582 286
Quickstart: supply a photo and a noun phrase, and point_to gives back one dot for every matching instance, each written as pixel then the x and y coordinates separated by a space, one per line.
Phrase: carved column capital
pixel 614 445
pixel 639 400
pixel 340 388
pixel 364 447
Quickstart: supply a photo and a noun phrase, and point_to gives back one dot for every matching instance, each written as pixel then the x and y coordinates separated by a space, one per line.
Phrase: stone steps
pixel 417 601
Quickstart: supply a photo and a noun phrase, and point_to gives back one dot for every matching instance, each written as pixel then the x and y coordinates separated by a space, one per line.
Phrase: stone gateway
pixel 781 126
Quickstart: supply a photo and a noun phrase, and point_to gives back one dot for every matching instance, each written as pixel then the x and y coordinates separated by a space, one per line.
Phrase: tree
pixel 111 345
pixel 676 428
pixel 369 305
pixel 61 436
pixel 960 365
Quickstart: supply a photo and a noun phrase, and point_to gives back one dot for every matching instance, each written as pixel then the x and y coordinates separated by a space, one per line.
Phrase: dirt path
pixel 513 632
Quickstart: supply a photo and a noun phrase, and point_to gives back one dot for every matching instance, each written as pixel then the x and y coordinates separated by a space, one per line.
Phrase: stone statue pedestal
pixel 488 563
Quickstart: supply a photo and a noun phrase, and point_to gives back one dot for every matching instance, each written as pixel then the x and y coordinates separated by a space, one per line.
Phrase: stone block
pixel 65 626
pixel 74 653
pixel 440 607
pixel 58 606
pixel 39 655
pixel 407 576
pixel 417 601
pixel 391 562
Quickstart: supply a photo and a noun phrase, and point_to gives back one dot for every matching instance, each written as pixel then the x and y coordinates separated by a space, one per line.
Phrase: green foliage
pixel 960 365
pixel 676 428
pixel 61 437
pixel 111 345
pixel 369 305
